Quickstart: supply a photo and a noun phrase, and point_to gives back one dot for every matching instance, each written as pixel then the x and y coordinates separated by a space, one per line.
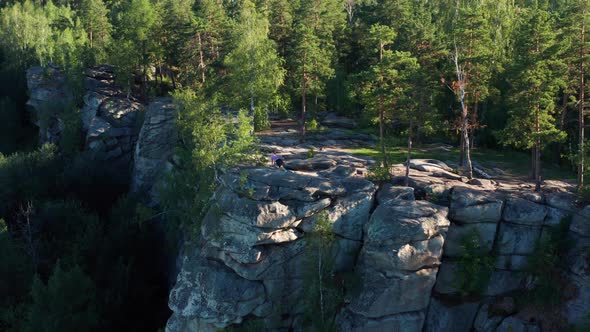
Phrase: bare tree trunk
pixel 464 113
pixel 581 111
pixel 381 132
pixel 201 61
pixel 303 106
pixel 407 182
pixel 533 162
pixel 382 116
pixel 473 123
pixel 28 234
pixel 537 170
pixel 144 74
pixel 461 151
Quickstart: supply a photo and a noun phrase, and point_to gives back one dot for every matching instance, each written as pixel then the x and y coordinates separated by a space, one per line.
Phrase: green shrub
pixel 322 294
pixel 378 173
pixel 312 125
pixel 28 176
pixel 546 265
pixel 261 121
pixel 474 267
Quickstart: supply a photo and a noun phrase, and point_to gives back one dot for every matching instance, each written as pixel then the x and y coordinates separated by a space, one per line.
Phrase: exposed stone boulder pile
pixel 110 119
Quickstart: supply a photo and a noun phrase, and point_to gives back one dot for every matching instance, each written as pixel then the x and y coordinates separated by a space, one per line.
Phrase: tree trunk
pixel 382 115
pixel 144 74
pixel 461 150
pixel 461 80
pixel 303 106
pixel 201 61
pixel 381 131
pixel 533 162
pixel 473 123
pixel 537 170
pixel 90 35
pixel 251 112
pixel 407 182
pixel 581 111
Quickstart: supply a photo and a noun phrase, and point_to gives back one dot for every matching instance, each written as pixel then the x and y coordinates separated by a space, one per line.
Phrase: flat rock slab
pixel 450 318
pixel 475 206
pixel 458 234
pixel 391 192
pixel 525 212
pixel 404 221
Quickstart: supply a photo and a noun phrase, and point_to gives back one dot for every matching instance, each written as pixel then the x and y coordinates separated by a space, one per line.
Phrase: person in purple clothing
pixel 276 160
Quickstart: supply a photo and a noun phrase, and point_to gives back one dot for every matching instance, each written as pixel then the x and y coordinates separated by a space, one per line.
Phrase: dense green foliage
pixel 75 253
pixel 470 72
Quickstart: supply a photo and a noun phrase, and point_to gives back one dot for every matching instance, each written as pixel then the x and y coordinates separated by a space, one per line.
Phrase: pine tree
pixel 255 68
pixel 388 81
pixel 472 64
pixel 135 42
pixel 94 15
pixel 577 31
pixel 312 54
pixel 535 83
pixel 66 303
pixel 176 24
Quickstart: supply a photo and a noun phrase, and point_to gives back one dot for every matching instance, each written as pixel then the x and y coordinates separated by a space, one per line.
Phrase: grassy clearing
pixel 514 163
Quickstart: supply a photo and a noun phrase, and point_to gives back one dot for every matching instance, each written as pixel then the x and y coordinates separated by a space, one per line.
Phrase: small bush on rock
pixel 475 266
pixel 545 265
pixel 323 295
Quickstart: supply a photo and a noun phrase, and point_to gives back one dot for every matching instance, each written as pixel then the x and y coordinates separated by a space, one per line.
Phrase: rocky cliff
pixel 250 258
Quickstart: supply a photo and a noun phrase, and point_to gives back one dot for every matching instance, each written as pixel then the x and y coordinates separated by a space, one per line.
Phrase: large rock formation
pixel 114 125
pixel 110 120
pixel 257 233
pixel 409 251
pixel 405 244
pixel 508 226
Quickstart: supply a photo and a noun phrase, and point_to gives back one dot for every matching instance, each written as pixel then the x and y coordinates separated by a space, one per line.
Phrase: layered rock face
pixel 154 149
pixel 256 235
pixel 109 119
pixel 398 264
pixel 249 259
pixel 48 94
pixel 508 227
pixel 117 128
